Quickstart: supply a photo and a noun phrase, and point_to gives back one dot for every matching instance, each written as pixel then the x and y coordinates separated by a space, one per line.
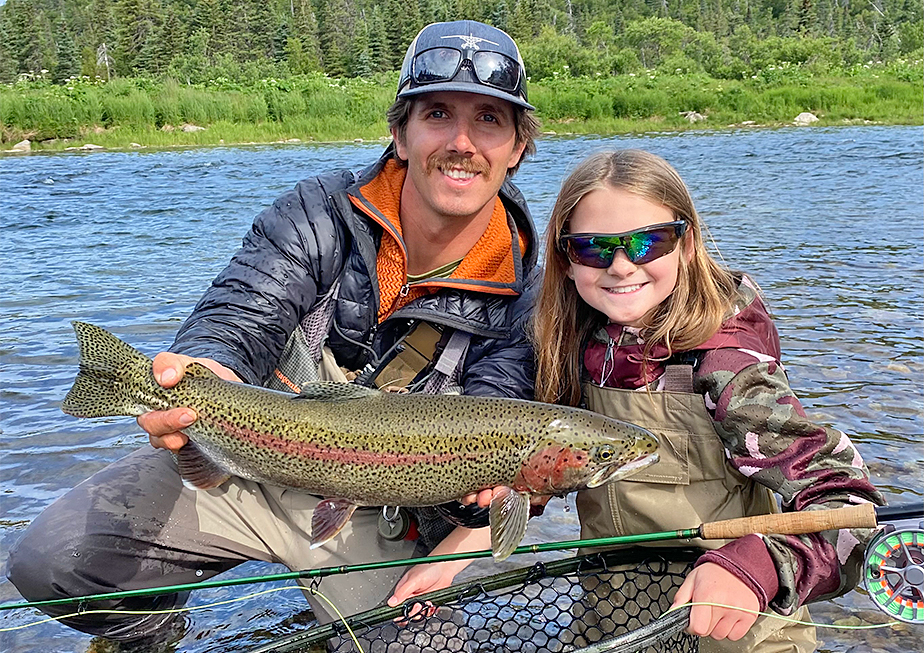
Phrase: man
pixel 413 272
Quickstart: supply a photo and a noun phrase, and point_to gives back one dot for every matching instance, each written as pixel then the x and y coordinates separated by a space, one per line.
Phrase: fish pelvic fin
pixel 109 369
pixel 197 470
pixel 508 515
pixel 328 519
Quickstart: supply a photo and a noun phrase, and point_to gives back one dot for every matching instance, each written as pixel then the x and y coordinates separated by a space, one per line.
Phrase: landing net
pixel 609 602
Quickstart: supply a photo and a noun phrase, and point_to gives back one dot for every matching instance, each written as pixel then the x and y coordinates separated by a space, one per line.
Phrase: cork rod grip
pixel 793 523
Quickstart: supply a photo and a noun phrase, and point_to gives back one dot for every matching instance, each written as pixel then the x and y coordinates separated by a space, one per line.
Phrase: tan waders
pixel 692 483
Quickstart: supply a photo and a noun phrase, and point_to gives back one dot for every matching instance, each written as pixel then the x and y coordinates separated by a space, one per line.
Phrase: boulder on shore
pixel 23 146
pixel 693 116
pixel 192 128
pixel 88 147
pixel 805 118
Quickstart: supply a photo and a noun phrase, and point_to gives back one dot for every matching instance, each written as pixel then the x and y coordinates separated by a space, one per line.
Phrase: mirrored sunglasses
pixel 641 246
pixel 443 64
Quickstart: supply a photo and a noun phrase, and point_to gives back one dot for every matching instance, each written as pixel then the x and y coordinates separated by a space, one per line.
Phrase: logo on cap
pixel 470 42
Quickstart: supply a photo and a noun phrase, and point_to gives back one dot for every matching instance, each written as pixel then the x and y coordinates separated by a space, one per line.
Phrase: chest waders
pixel 307 359
pixel 692 483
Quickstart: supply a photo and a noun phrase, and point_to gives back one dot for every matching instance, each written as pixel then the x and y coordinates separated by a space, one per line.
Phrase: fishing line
pixel 313 591
pixel 888 624
pixel 154 612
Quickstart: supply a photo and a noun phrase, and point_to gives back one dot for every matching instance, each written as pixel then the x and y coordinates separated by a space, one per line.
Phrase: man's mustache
pixel 440 162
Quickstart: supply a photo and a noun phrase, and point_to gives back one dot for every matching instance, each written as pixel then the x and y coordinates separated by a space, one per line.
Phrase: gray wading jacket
pixel 311 236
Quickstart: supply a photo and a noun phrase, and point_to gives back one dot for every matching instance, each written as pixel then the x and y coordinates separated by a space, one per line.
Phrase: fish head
pixel 585 450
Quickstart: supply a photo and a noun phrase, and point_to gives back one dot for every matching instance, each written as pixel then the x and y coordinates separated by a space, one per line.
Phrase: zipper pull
pixel 607 359
pixel 405 289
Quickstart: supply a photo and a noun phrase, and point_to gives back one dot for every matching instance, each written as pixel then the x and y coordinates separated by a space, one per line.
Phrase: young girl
pixel 637 321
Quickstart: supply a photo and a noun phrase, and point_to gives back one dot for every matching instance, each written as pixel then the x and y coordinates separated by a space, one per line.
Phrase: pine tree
pixel 30 41
pixel 67 62
pixel 336 29
pixel 136 36
pixel 8 65
pixel 378 41
pixel 360 56
pixel 303 51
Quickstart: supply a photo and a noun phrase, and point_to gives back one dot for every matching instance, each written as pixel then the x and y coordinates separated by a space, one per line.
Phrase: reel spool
pixel 893 572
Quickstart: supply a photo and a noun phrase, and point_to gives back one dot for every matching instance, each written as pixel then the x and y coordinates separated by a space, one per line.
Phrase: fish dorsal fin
pixel 508 515
pixel 199 371
pixel 197 470
pixel 333 391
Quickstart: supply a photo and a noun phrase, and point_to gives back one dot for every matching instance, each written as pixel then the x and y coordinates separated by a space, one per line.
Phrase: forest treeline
pixel 194 41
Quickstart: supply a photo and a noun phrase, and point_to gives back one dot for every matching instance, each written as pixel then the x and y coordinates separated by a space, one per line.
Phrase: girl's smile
pixel 625 292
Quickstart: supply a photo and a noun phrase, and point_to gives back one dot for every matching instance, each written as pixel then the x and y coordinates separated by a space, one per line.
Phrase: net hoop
pixel 583 574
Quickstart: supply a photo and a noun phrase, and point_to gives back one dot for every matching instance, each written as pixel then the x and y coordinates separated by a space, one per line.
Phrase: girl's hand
pixel 710 583
pixel 421 579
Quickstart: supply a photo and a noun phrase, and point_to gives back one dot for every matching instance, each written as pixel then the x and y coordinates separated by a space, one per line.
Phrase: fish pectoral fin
pixel 197 470
pixel 329 518
pixel 334 391
pixel 508 515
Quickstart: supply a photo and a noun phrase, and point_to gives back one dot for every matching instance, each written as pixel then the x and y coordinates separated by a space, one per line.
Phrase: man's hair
pixel 525 123
pixel 563 322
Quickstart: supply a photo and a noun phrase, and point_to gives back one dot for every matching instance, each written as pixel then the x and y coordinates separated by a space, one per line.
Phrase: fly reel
pixel 893 572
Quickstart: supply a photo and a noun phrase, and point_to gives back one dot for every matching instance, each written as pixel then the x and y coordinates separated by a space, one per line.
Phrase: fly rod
pixel 792 523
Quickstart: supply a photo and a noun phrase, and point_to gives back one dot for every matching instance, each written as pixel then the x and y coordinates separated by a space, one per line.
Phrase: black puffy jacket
pixel 295 251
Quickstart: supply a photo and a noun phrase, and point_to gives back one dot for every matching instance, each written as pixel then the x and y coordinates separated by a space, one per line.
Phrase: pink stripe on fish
pixel 325 453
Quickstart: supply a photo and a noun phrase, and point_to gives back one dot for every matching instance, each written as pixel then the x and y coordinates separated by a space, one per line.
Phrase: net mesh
pixel 597 602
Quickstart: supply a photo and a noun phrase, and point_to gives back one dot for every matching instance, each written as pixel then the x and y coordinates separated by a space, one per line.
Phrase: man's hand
pixel 163 426
pixel 710 583
pixel 483 499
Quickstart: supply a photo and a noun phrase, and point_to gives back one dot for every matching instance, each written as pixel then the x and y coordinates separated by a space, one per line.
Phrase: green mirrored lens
pixel 642 246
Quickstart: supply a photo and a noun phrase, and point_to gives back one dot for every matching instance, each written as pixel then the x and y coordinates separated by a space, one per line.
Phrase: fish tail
pixel 111 371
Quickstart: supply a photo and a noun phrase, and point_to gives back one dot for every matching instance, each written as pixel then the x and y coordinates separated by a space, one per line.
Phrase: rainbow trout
pixel 361 447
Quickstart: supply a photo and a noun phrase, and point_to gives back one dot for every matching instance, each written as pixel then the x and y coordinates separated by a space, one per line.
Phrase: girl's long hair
pixel 563 322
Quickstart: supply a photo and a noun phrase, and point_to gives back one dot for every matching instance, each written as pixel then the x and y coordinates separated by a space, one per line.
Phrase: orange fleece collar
pixel 488 267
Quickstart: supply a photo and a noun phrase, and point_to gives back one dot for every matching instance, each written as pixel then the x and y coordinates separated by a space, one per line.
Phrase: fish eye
pixel 603 453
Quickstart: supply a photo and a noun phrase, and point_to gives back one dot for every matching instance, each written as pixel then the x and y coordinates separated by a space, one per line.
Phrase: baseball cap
pixel 464 55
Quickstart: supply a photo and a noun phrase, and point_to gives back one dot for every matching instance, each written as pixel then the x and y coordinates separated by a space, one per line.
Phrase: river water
pixel 829 222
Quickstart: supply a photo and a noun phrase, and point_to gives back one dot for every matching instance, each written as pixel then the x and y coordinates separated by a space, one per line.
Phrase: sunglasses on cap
pixel 442 64
pixel 641 246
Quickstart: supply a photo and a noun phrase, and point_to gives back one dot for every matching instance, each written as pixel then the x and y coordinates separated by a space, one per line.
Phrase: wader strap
pixel 448 369
pixel 678 378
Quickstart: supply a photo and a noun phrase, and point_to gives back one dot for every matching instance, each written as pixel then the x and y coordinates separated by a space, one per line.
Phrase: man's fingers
pixel 161 422
pixel 168 368
pixel 172 441
pixel 482 498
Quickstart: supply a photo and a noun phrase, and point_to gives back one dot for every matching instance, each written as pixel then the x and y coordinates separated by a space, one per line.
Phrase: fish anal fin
pixel 334 391
pixel 329 518
pixel 508 515
pixel 197 470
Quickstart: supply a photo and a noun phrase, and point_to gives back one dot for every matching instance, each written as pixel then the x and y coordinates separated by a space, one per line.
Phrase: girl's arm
pixel 424 578
pixel 769 439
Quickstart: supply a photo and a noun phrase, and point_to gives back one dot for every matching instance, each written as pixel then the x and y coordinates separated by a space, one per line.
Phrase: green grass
pixel 318 108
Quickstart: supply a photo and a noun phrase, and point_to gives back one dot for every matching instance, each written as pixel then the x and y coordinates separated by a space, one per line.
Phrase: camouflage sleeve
pixel 769 439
